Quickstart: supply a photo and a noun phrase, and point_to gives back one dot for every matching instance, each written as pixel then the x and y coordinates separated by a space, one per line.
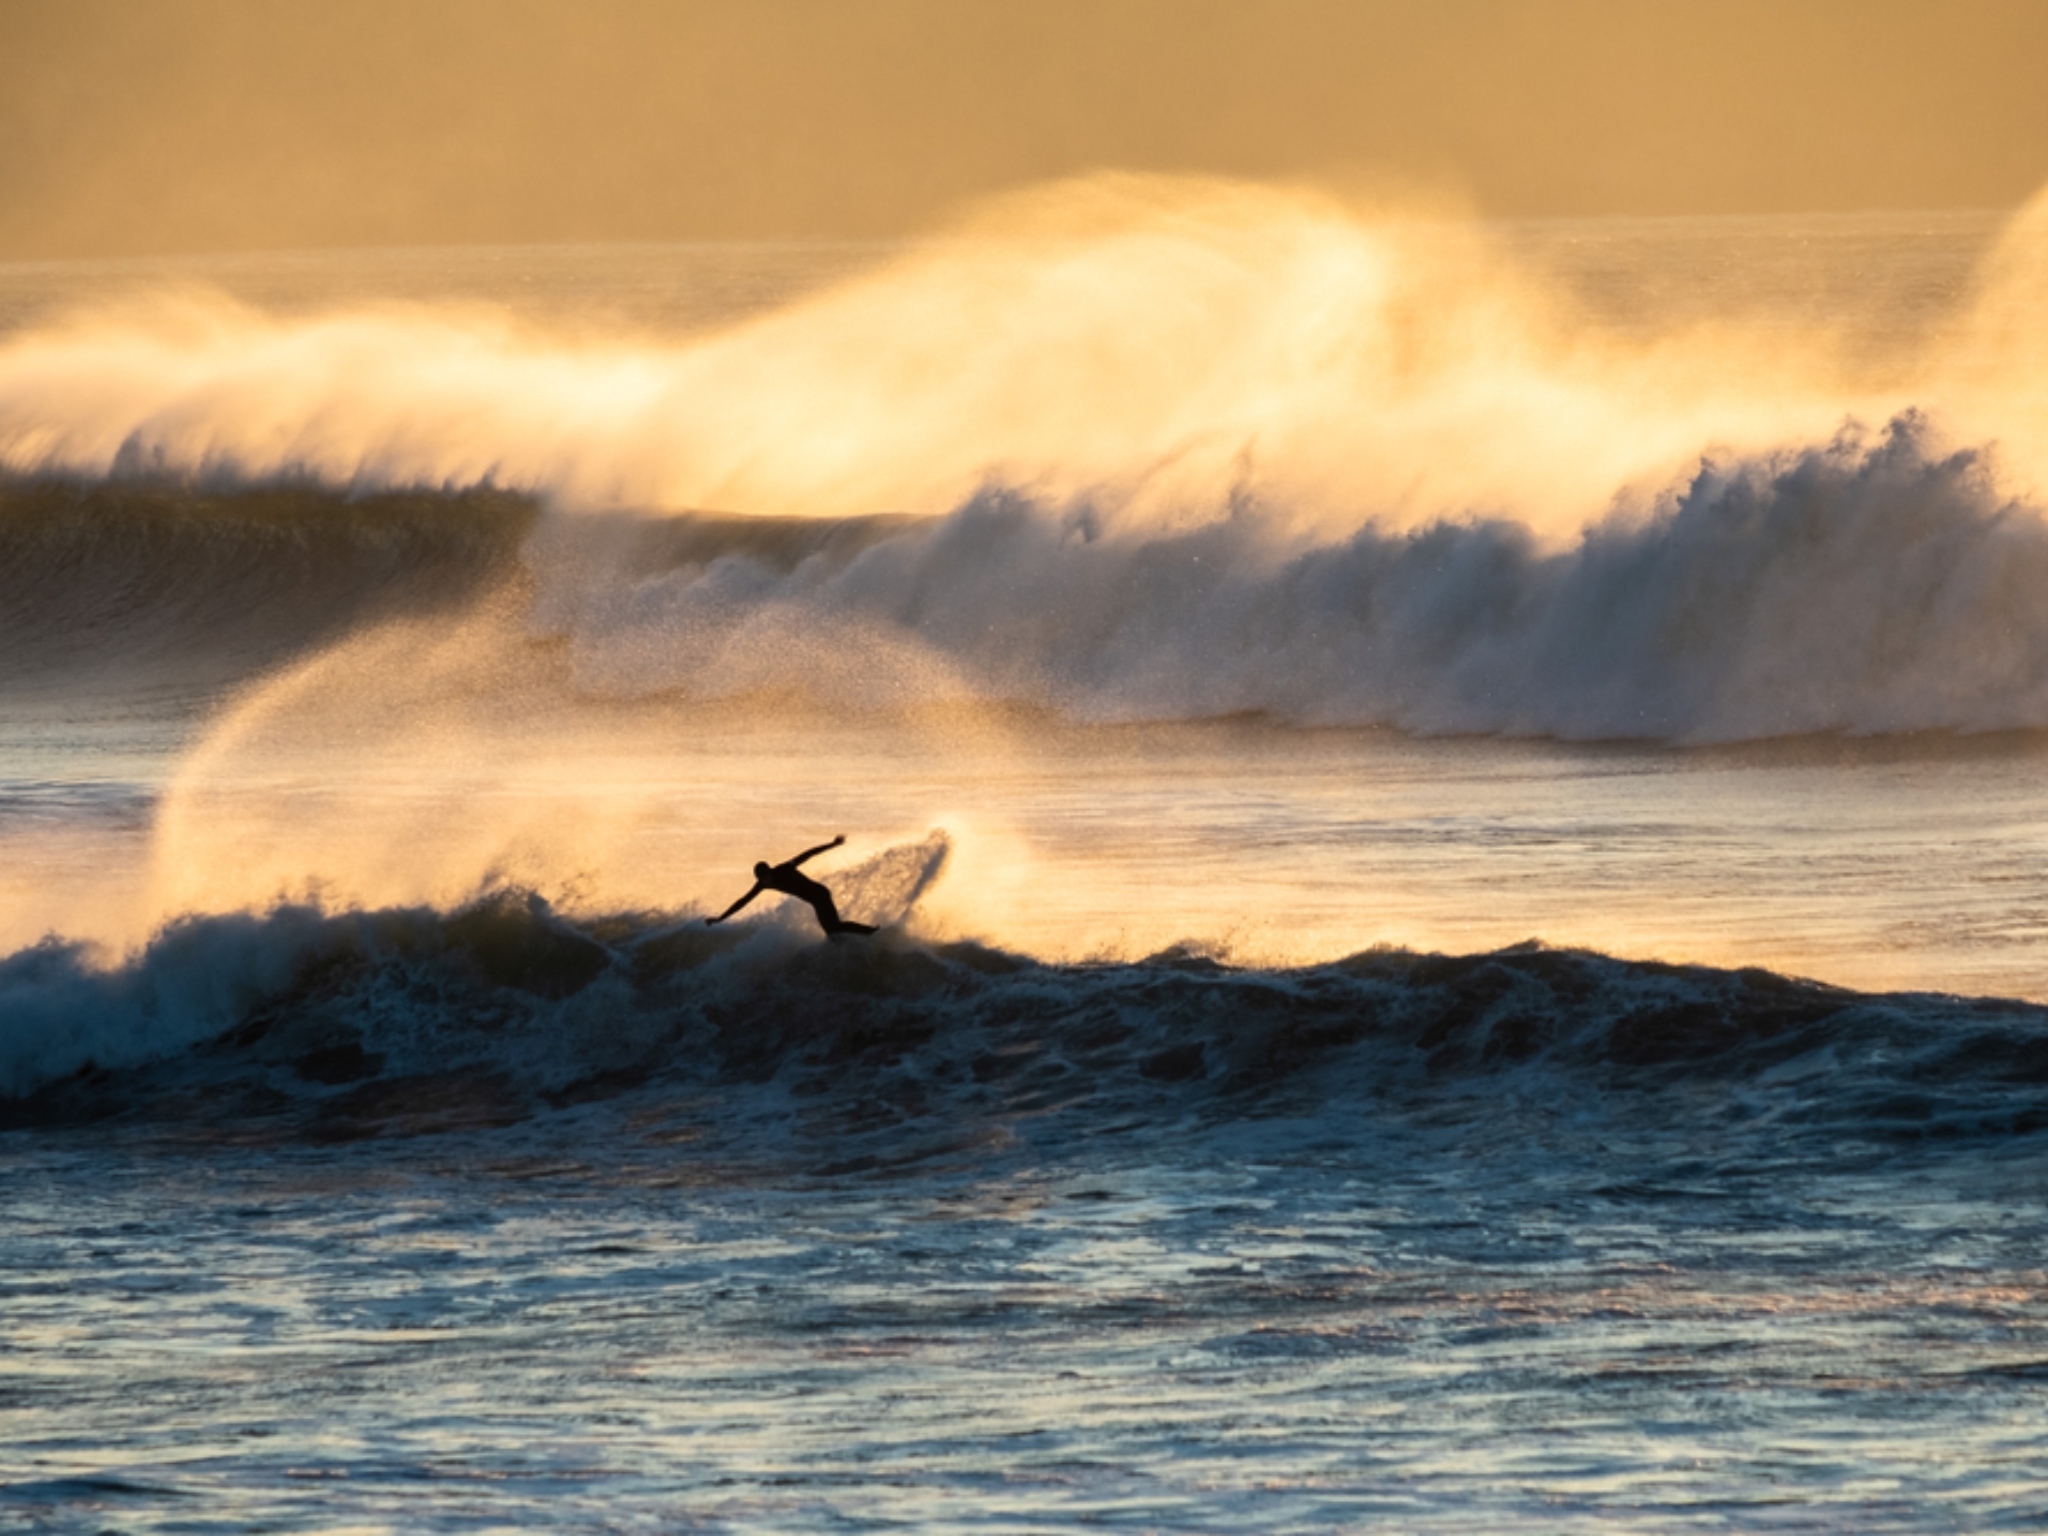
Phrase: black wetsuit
pixel 786 879
pixel 791 881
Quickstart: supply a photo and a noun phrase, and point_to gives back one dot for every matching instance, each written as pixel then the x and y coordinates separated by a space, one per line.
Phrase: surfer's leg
pixel 829 918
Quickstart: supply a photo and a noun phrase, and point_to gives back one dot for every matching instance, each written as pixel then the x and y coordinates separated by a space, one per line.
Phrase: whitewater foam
pixel 1875 583
pixel 410 1021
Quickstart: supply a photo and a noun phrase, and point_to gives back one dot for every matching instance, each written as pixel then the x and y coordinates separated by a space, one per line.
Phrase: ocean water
pixel 1454 809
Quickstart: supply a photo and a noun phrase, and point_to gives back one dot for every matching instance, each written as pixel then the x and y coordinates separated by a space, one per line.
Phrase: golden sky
pixel 135 126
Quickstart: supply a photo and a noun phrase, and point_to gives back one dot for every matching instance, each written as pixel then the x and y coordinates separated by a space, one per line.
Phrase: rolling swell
pixel 410 1021
pixel 140 586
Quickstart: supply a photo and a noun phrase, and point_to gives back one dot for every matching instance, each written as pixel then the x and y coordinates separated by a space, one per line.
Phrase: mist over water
pixel 1165 351
pixel 477 529
pixel 532 559
pixel 1168 419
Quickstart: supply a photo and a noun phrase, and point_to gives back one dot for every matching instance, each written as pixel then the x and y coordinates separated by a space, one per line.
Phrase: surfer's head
pixel 761 871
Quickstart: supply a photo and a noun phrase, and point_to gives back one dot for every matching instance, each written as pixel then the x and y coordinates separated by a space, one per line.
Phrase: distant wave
pixel 1874 583
pixel 412 1021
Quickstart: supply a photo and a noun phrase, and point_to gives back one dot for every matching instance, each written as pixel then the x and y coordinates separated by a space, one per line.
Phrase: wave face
pixel 144 586
pixel 411 1021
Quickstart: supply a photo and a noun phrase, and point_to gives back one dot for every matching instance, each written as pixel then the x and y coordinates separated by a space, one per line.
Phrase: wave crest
pixel 407 1021
pixel 1870 584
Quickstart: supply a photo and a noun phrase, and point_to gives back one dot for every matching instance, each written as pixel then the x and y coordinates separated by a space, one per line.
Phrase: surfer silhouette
pixel 791 881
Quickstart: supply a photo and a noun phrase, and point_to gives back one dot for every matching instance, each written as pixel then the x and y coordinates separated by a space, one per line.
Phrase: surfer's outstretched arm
pixel 728 912
pixel 812 853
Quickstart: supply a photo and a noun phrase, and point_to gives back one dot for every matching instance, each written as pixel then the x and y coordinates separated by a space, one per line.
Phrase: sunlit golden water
pixel 1915 863
pixel 1160 354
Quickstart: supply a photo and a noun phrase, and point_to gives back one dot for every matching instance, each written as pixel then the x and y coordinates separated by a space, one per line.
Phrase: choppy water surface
pixel 1505 1312
pixel 1457 815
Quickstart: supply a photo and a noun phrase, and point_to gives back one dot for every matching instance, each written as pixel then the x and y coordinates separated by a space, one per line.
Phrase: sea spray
pixel 1874 583
pixel 1155 345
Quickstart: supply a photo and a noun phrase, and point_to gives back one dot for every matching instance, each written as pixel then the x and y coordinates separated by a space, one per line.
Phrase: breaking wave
pixel 1871 584
pixel 410 1021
